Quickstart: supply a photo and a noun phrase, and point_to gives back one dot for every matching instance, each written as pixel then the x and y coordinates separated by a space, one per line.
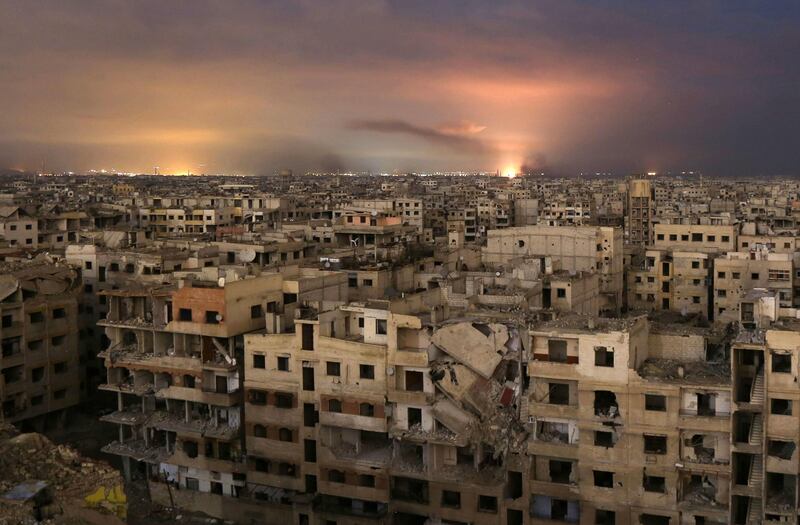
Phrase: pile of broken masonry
pixel 41 482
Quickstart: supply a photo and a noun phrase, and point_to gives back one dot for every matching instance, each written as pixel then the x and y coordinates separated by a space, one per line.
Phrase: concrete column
pixel 126 468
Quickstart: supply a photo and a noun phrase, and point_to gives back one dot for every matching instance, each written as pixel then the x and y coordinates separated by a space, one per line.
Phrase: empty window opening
pixel 603 356
pixel 655 444
pixel 781 363
pixel 414 381
pixel 414 417
pixel 781 407
pixel 654 484
pixel 557 350
pixel 558 393
pixel 604 438
pixel 605 404
pixel 603 478
pixel 706 404
pixel 781 449
pixel 655 402
pixel 560 471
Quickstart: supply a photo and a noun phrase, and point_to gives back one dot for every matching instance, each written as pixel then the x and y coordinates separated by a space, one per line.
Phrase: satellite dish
pixel 218 317
pixel 248 255
pixel 221 282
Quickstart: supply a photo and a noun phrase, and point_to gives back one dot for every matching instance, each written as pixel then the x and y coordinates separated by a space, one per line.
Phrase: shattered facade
pixel 39 365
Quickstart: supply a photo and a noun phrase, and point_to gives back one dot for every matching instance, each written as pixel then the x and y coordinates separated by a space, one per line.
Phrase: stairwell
pixel 757 390
pixel 756 430
pixel 754 513
pixel 756 478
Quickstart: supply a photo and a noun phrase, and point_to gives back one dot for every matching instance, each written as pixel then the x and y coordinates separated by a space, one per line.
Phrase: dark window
pixel 558 393
pixel 284 400
pixel 654 484
pixel 603 438
pixel 212 317
pixel 188 381
pixel 259 431
pixel 487 503
pixel 754 276
pixel 366 371
pixel 451 499
pixel 336 476
pixel 257 397
pixel 781 363
pixel 557 350
pixel 781 407
pixel 36 317
pixel 334 405
pixel 307 337
pixel 59 313
pixel 259 361
pixel 414 381
pixel 60 368
pixel 285 434
pixel 605 517
pixel 333 368
pixel 561 293
pixel 283 363
pixel 655 444
pixel 603 478
pixel 366 409
pixel 380 326
pixel 603 356
pixel 655 402
pixel 37 374
pixel 190 448
pixel 185 314
pixel 255 311
pixel 366 480
pixel 414 416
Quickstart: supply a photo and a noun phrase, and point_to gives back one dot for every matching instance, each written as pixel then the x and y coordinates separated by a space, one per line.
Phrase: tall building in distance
pixel 640 212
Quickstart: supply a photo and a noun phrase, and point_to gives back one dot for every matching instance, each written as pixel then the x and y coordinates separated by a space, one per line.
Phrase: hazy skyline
pixel 213 86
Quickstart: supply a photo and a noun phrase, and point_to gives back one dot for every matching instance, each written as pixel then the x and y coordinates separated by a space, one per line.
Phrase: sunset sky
pixel 257 86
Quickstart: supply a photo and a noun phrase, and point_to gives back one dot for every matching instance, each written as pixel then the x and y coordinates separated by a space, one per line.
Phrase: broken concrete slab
pixel 479 346
pixel 451 416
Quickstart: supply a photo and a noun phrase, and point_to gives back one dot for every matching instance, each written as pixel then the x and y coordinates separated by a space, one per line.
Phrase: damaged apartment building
pixel 271 396
pixel 40 366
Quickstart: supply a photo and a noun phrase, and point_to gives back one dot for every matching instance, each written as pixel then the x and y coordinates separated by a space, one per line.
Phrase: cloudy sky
pixel 256 86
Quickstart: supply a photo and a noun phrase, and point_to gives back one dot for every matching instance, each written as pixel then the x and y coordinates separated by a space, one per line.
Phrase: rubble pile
pixel 480 381
pixel 31 460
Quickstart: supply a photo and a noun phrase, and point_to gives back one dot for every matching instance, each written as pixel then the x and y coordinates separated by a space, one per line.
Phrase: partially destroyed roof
pixel 675 323
pixel 588 323
pixel 691 372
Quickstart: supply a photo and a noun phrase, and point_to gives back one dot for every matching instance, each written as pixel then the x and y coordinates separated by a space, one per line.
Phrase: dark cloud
pixel 457 139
